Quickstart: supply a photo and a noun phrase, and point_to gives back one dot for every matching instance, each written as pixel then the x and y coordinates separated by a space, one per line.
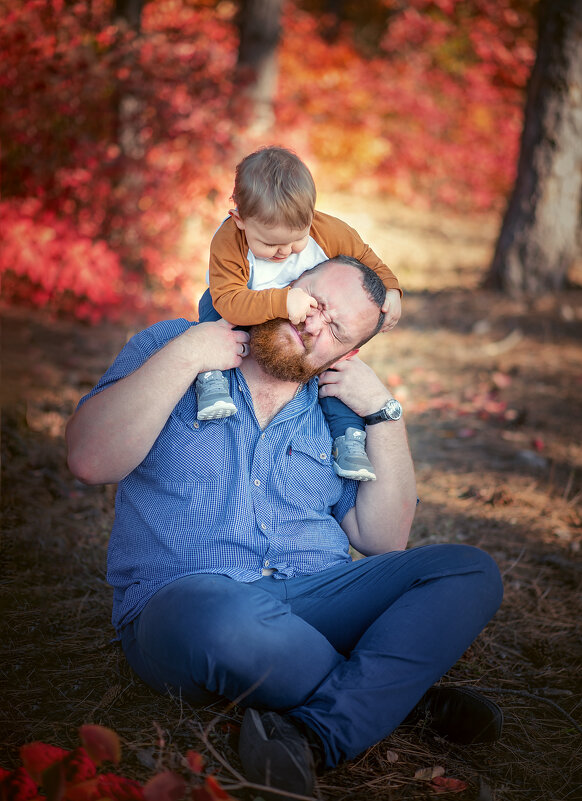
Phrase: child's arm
pixel 229 273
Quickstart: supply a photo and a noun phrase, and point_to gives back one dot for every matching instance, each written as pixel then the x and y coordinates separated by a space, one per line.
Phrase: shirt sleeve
pixel 137 351
pixel 228 278
pixel 346 501
pixel 337 237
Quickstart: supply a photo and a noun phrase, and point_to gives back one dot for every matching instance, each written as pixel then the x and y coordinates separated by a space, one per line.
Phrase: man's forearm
pixel 384 510
pixel 114 430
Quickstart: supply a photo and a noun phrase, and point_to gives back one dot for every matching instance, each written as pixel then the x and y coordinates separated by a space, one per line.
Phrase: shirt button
pixel 263 435
pixel 257 482
pixel 196 425
pixel 323 455
pixel 267 563
pixel 263 526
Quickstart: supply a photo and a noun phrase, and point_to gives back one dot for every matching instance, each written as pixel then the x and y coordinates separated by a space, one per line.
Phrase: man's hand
pixel 114 430
pixel 356 384
pixel 299 304
pixel 216 345
pixel 392 308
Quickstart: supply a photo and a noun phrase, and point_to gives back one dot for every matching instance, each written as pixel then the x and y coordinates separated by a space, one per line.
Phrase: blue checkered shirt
pixel 224 496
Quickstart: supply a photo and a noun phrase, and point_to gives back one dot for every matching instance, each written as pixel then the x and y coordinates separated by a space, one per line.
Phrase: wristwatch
pixel 391 410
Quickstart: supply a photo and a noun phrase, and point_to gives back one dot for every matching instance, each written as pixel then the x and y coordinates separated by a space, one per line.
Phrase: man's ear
pixel 237 218
pixel 345 356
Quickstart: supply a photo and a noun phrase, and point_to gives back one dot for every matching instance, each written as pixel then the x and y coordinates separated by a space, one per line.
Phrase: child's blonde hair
pixel 273 186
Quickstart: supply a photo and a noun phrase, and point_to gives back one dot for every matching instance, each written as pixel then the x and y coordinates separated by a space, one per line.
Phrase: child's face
pixel 273 243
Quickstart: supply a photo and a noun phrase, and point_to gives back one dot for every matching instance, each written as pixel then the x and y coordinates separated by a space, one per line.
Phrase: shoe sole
pixel 267 762
pixel 217 411
pixel 356 475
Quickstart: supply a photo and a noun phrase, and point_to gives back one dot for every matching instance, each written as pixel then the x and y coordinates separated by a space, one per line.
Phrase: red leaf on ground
pixel 216 792
pixel 119 788
pixel 440 784
pixel 37 757
pixel 195 761
pixel 101 743
pixel 79 767
pixel 83 791
pixel 166 786
pixel 18 786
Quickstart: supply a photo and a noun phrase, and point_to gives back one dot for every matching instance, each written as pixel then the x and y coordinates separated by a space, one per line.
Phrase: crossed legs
pixel 348 651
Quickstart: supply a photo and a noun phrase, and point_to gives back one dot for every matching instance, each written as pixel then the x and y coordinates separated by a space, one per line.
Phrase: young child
pixel 272 236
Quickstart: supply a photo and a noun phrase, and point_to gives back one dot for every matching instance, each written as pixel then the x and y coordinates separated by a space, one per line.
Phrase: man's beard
pixel 275 351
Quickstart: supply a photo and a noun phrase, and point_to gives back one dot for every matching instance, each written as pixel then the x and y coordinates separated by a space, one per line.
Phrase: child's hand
pixel 299 304
pixel 392 308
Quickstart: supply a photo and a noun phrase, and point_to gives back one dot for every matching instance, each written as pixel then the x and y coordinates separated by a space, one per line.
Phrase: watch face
pixel 393 410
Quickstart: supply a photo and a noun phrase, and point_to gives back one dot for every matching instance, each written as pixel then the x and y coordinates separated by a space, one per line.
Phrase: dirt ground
pixel 492 392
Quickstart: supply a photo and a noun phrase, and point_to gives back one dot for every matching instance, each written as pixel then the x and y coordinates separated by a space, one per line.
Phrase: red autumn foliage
pixel 18 786
pixel 195 761
pixel 79 766
pixel 119 787
pixel 54 774
pixel 101 744
pixel 165 786
pixel 38 757
pixel 117 144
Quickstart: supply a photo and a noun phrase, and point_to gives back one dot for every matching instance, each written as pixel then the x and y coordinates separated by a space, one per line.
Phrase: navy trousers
pixel 349 650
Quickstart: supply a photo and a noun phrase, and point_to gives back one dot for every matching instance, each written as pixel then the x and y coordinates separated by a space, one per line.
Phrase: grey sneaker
pixel 275 753
pixel 214 400
pixel 350 459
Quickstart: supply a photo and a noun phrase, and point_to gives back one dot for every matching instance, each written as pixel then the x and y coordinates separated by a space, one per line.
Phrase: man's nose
pixel 313 322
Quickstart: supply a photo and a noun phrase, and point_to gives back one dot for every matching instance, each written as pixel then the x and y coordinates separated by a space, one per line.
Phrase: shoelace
pixel 354 446
pixel 215 382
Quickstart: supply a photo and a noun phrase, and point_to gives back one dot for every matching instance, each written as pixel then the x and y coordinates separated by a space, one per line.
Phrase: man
pixel 229 553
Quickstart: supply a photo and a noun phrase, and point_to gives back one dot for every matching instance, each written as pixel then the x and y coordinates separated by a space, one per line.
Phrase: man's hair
pixel 373 287
pixel 272 185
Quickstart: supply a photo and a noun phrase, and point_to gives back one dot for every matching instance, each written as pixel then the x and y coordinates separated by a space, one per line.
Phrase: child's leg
pixel 349 440
pixel 206 311
pixel 214 401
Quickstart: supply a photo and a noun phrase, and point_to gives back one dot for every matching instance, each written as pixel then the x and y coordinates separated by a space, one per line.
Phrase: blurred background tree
pixel 122 122
pixel 541 235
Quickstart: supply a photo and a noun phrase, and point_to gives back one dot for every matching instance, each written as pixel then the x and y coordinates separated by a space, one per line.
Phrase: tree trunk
pixel 259 24
pixel 128 109
pixel 540 235
pixel 130 11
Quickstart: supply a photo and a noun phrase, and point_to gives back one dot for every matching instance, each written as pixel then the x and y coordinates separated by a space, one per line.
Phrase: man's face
pixel 344 316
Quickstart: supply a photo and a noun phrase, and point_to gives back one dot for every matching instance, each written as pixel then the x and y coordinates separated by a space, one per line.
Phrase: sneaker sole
pixel 267 762
pixel 356 475
pixel 217 411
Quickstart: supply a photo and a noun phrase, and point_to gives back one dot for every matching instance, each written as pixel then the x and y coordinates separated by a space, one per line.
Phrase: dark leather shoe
pixel 274 753
pixel 461 714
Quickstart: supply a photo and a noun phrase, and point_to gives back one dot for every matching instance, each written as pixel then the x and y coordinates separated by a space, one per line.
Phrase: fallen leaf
pixel 195 761
pixel 440 784
pixel 101 743
pixel 216 792
pixel 166 786
pixel 426 774
pixel 37 757
pixel 391 756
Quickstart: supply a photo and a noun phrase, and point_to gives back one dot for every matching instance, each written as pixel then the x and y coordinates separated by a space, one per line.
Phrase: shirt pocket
pixel 310 480
pixel 186 454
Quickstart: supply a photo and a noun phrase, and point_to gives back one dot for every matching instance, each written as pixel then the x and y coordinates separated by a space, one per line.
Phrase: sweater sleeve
pixel 338 238
pixel 229 272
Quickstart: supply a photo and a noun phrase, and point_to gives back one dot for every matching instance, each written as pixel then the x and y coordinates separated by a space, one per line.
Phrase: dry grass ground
pixel 492 391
